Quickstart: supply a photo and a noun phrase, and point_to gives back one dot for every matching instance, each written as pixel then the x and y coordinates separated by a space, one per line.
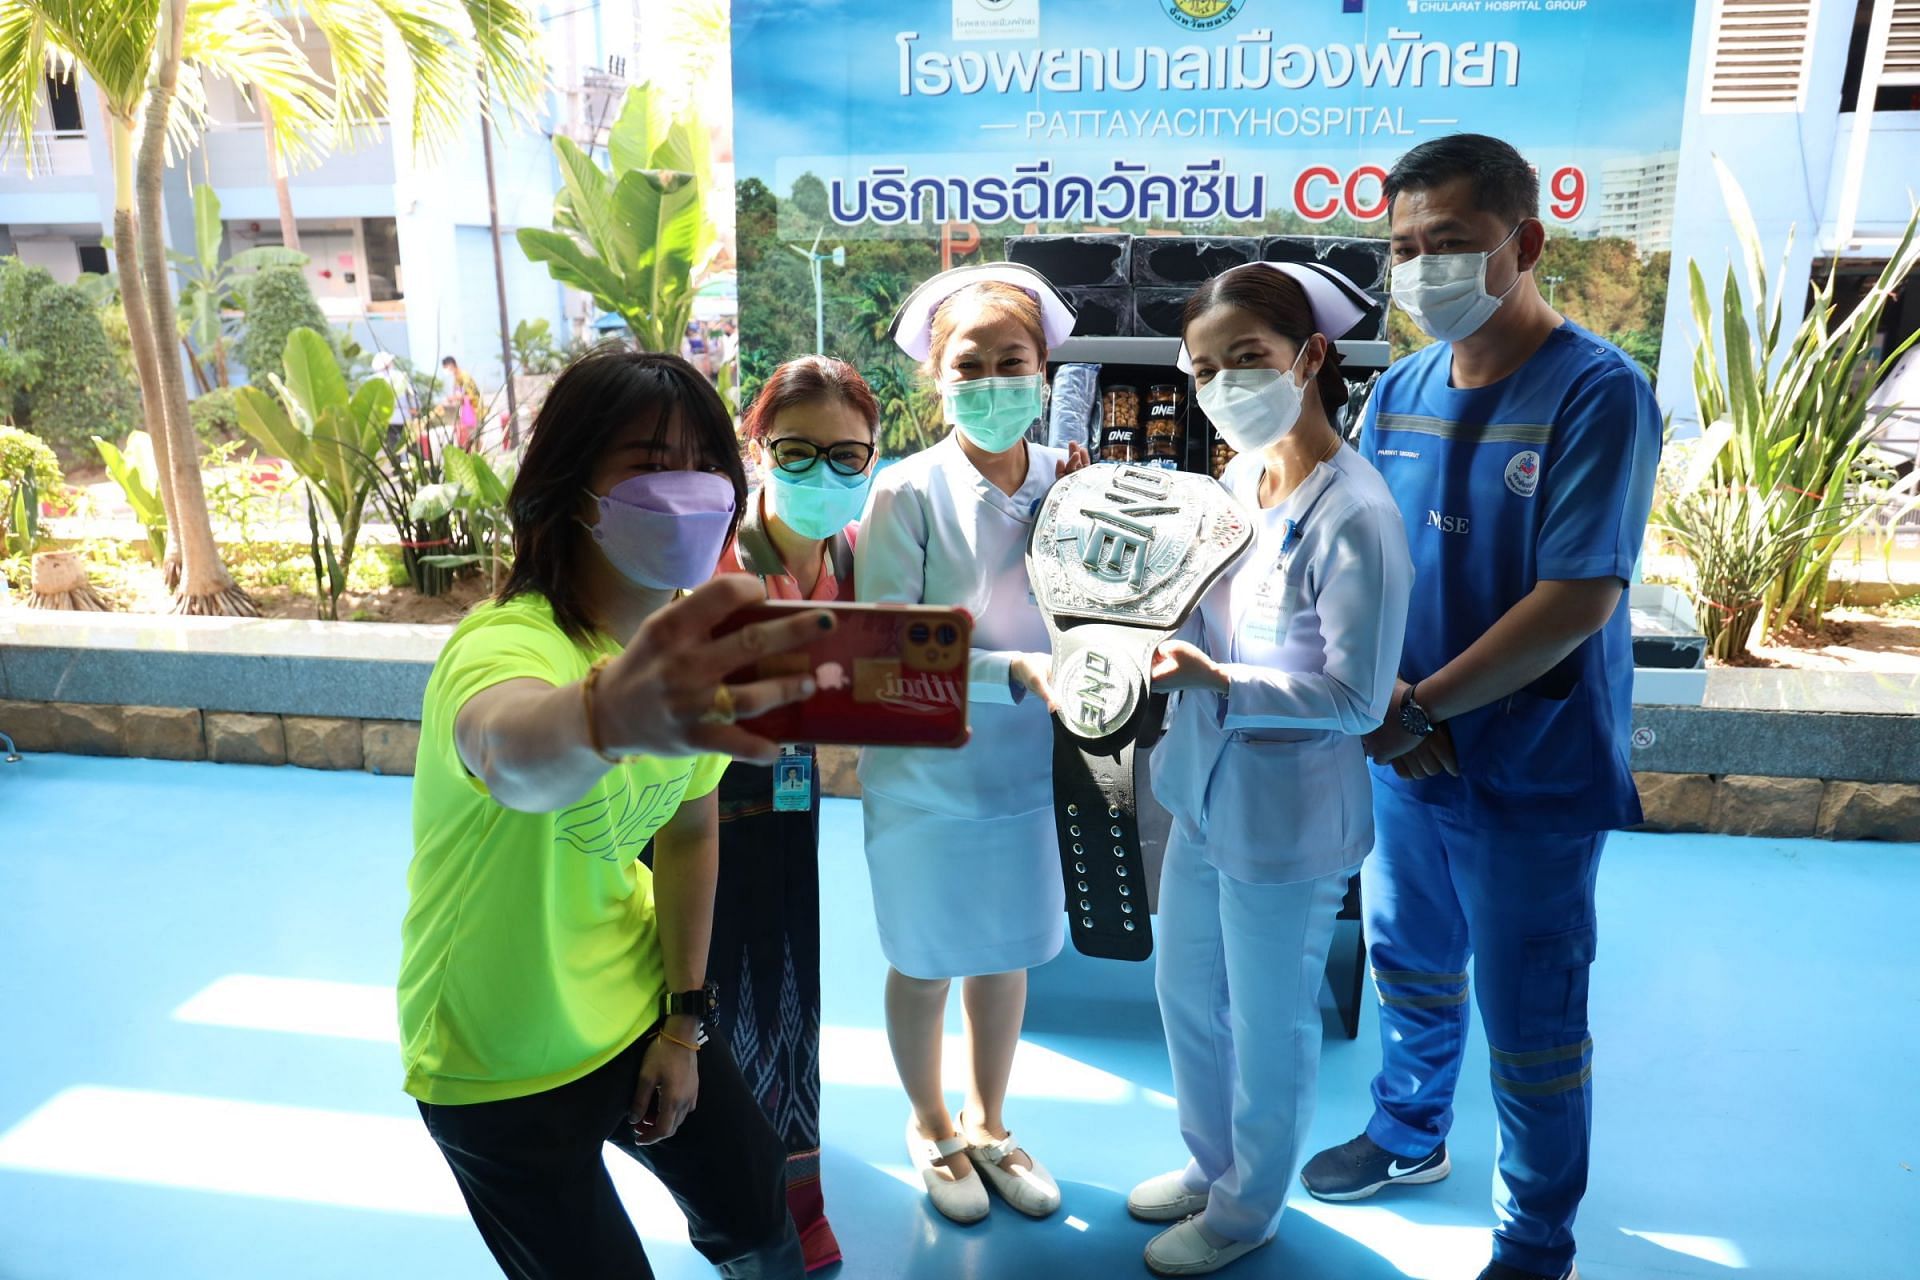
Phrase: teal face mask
pixel 818 502
pixel 994 412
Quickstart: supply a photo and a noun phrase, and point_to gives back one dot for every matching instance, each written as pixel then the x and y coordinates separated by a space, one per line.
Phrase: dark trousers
pixel 531 1171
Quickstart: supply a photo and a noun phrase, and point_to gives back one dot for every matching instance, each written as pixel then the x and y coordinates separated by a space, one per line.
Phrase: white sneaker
pixel 1183 1250
pixel 1031 1191
pixel 1165 1199
pixel 961 1199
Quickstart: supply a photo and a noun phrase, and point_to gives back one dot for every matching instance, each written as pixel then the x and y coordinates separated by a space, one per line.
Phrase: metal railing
pixel 35 158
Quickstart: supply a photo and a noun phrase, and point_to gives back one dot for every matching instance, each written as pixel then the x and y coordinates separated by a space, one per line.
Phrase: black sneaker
pixel 1357 1169
pixel 1502 1271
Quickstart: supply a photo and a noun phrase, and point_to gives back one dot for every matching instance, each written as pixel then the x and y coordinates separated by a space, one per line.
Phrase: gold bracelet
pixel 586 704
pixel 670 1038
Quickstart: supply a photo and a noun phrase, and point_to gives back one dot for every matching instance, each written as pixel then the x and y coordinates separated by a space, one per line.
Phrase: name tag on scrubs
pixel 1262 623
pixel 793 780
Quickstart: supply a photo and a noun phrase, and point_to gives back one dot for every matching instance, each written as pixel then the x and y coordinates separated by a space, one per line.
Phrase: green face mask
pixel 994 412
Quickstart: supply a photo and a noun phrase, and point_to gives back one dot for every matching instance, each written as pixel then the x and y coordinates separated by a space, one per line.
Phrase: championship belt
pixel 1118 557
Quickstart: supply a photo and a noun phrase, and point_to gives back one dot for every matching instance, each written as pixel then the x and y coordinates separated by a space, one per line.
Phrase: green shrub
pixel 113 321
pixel 216 419
pixel 19 363
pixel 278 302
pixel 80 392
pixel 19 284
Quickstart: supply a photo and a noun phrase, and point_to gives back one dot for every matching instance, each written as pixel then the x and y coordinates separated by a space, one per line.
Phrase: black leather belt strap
pixel 1118 557
pixel 1097 819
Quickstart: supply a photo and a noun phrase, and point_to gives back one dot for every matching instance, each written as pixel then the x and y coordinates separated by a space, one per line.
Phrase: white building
pixel 1815 107
pixel 1637 197
pixel 399 247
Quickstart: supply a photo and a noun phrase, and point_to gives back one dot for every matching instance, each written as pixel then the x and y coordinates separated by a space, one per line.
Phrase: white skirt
pixel 958 897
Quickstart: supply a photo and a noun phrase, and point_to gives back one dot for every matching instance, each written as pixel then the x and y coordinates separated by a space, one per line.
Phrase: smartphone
pixel 887 675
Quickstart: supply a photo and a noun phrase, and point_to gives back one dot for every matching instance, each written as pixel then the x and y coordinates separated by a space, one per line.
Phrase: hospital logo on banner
pixel 1202 15
pixel 996 19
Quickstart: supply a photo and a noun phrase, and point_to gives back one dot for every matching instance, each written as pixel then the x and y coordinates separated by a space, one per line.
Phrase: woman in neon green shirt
pixel 553 991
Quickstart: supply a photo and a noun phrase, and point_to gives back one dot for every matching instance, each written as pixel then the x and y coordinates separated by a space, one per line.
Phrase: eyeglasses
pixel 795 455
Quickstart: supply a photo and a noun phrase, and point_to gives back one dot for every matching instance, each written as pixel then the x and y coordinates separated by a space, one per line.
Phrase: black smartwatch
pixel 1413 716
pixel 700 1004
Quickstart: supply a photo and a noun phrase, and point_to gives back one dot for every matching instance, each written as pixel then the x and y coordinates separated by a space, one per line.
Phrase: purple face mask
pixel 667 529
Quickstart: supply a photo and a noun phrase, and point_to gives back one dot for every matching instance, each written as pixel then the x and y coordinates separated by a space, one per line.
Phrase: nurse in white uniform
pixel 1290 658
pixel 961 844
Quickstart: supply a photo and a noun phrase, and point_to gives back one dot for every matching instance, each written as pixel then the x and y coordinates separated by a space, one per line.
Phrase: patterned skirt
pixel 765 957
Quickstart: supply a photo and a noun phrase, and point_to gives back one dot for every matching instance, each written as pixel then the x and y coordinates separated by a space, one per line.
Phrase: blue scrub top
pixel 1546 474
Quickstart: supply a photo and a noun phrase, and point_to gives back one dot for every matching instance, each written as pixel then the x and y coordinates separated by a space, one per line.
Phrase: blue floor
pixel 197 1077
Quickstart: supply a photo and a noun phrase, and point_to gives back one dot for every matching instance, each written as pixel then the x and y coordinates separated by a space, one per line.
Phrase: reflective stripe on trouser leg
pixel 1529 901
pixel 1417 939
pixel 1276 937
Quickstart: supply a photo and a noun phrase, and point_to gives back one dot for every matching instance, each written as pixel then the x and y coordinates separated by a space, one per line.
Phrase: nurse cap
pixel 1338 303
pixel 912 327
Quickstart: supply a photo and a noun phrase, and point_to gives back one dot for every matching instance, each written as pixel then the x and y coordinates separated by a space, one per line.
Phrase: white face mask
pixel 1446 293
pixel 1252 408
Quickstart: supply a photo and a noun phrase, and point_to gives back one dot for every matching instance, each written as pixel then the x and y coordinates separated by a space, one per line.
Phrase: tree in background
pixel 59 376
pixel 278 302
pixel 79 391
pixel 429 51
pixel 19 362
pixel 210 287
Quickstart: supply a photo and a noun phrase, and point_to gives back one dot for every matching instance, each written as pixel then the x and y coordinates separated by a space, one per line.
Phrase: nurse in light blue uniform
pixel 1521 450
pixel 961 846
pixel 1291 658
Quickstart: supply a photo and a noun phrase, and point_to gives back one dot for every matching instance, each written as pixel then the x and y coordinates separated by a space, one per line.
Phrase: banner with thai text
pixel 919 133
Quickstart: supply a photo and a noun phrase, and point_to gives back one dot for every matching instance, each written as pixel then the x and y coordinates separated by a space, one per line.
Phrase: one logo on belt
pixel 1523 473
pixel 1100 691
pixel 1447 524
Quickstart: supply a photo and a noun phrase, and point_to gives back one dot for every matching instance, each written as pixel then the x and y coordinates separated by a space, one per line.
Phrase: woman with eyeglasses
pixel 811 432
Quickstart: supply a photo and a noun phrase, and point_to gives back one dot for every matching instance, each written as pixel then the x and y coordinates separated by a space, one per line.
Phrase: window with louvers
pixel 1902 67
pixel 1761 52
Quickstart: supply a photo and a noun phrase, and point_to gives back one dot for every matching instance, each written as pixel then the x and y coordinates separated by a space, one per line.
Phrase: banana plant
pixel 1788 413
pixel 633 237
pixel 331 439
pixel 135 471
pixel 475 494
pixel 28 470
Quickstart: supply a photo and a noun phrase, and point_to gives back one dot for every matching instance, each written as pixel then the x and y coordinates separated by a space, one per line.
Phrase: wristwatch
pixel 701 1003
pixel 1413 716
pixel 1118 557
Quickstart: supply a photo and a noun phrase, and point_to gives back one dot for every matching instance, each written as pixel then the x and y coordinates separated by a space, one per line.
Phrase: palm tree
pixel 121 42
pixel 116 51
pixel 446 45
pixel 444 42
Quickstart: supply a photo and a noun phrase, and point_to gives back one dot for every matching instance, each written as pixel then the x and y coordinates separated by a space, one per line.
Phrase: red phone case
pixel 890 675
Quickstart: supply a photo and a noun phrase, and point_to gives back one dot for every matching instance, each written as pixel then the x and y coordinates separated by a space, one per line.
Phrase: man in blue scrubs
pixel 1521 450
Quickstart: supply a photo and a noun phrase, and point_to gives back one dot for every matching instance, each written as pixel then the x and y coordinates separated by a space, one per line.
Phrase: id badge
pixel 793 780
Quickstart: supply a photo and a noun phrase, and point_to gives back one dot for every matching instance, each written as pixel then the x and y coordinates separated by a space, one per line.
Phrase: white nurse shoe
pixel 1165 1199
pixel 1188 1249
pixel 1032 1191
pixel 960 1199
